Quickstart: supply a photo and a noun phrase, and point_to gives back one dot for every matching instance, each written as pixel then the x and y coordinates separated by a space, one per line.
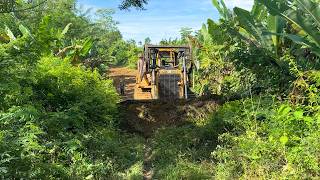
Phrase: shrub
pixel 66 129
pixel 267 139
pixel 63 88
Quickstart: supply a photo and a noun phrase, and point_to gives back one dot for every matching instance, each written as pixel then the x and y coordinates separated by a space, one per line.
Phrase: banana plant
pixel 250 27
pixel 276 25
pixel 78 50
pixel 222 8
pixel 8 35
pixel 254 24
pixel 302 14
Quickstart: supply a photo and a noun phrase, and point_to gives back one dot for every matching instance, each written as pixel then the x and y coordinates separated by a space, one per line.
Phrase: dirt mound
pixel 146 117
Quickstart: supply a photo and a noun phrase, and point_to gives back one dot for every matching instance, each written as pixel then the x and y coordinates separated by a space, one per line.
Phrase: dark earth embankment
pixel 146 117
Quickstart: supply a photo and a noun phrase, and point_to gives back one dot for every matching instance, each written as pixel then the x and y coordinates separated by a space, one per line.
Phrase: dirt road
pixel 128 76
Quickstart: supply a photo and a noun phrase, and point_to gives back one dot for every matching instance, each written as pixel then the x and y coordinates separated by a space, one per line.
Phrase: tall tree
pixel 147 41
pixel 184 33
pixel 139 4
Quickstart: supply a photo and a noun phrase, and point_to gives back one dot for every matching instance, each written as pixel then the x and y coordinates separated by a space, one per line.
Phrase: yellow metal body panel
pixel 144 90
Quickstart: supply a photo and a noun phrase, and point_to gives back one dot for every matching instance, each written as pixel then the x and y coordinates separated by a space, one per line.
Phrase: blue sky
pixel 162 18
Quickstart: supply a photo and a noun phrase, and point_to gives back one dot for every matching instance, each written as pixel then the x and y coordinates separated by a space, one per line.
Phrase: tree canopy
pixel 139 4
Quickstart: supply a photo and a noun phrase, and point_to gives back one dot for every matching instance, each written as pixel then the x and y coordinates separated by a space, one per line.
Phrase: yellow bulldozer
pixel 163 73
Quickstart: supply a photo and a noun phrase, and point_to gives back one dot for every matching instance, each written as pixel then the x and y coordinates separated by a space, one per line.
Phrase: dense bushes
pixel 67 128
pixel 268 59
pixel 61 87
pixel 253 138
pixel 30 151
pixel 58 115
pixel 267 139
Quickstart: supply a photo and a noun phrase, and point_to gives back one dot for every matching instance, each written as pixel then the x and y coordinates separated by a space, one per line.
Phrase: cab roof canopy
pixel 167 46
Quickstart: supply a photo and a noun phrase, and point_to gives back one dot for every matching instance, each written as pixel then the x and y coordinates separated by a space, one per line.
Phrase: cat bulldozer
pixel 163 73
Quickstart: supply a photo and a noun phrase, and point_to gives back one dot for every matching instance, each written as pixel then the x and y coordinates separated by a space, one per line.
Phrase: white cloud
pixel 163 18
pixel 156 31
pixel 246 4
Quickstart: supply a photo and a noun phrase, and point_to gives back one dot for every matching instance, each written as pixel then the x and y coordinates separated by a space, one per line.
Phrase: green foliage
pixel 170 41
pixel 58 115
pixel 184 39
pixel 16 58
pixel 125 53
pixel 67 130
pixel 222 8
pixel 36 152
pixel 62 87
pixel 182 157
pixel 250 46
pixel 267 139
pixel 64 29
pixel 304 15
pixel 185 32
pixel 271 52
pixel 147 41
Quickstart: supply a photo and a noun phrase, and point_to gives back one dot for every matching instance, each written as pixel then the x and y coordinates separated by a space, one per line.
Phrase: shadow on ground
pixel 148 116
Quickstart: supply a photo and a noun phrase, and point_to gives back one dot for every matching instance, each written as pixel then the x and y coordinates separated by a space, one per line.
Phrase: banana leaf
pixel 304 14
pixel 259 11
pixel 86 47
pixel 9 33
pixel 299 40
pixel 222 8
pixel 66 29
pixel 25 31
pixel 253 28
pixel 276 25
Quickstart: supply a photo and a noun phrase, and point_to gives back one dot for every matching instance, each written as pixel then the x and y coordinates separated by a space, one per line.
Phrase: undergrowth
pixel 254 138
pixel 68 129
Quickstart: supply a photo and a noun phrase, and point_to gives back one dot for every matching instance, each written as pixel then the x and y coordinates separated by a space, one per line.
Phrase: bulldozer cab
pixel 162 73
